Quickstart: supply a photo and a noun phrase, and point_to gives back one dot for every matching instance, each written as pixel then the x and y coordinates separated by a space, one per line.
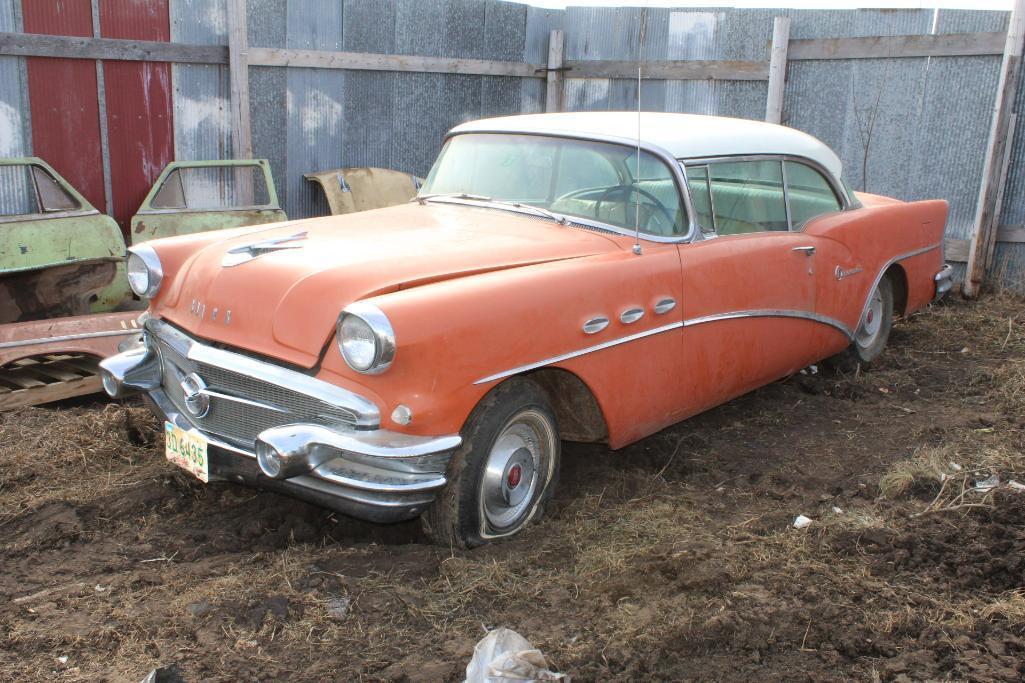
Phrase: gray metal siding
pixel 202 92
pixel 15 131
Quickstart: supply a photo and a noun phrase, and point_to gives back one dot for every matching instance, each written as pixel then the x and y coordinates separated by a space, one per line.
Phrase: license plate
pixel 187 450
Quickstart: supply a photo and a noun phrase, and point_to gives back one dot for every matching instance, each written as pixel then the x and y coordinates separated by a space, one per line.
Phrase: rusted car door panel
pixel 58 254
pixel 748 306
pixel 199 196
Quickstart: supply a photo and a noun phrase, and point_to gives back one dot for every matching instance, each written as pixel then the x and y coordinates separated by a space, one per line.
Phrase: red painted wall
pixel 63 101
pixel 139 118
pixel 65 107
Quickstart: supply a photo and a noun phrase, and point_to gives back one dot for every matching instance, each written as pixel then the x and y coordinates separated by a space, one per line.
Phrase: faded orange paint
pixel 471 292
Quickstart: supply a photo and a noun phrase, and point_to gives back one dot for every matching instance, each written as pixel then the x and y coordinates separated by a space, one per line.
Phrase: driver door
pixel 749 294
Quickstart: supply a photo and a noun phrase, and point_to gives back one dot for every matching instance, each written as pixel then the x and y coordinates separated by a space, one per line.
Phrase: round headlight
pixel 144 271
pixel 365 338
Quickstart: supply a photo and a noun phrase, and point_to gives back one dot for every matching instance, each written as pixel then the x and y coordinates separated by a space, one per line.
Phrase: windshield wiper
pixel 558 218
pixel 421 198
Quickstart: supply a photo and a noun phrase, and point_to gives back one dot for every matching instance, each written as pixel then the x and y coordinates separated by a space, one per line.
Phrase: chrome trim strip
pixel 886 266
pixel 771 313
pixel 366 412
pixel 67 337
pixel 581 352
pixel 243 401
pixel 762 313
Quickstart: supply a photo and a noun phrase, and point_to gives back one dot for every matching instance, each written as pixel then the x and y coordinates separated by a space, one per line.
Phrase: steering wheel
pixel 627 189
pixel 573 194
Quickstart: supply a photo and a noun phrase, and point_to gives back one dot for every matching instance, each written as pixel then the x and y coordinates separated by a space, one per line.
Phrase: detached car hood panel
pixel 290 282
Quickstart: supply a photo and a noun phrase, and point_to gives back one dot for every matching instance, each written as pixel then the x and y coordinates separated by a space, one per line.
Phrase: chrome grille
pixel 237 422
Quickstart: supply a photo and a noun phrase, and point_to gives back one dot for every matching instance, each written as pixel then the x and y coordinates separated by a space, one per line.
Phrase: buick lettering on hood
pixel 583 277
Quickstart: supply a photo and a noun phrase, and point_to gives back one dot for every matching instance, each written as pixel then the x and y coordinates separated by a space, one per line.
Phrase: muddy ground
pixel 672 559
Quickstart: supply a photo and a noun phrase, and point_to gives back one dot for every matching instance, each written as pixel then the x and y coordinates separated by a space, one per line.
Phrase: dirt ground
pixel 674 559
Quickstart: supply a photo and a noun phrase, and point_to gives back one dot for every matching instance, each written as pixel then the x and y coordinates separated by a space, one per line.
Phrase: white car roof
pixel 684 136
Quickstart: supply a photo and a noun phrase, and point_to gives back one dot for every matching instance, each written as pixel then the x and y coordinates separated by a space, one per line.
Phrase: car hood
pixel 284 301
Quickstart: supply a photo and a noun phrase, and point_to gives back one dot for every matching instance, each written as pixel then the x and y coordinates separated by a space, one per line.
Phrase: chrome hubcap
pixel 872 323
pixel 512 471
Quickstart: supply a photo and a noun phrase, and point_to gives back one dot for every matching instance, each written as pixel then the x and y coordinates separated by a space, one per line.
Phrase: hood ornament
pixel 248 252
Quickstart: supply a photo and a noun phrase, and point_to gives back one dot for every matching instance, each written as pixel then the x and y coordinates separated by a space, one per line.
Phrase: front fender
pixel 457 339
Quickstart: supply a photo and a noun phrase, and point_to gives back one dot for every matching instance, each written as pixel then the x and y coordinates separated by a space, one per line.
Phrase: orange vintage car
pixel 584 276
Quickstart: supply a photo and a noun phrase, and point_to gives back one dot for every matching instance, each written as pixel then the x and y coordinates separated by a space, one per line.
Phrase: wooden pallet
pixel 52 377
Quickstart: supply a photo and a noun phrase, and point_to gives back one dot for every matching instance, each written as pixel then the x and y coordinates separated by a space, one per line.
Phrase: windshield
pixel 577 178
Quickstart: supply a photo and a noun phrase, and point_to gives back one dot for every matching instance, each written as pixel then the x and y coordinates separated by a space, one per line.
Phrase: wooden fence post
pixel 238 65
pixel 553 80
pixel 777 69
pixel 985 228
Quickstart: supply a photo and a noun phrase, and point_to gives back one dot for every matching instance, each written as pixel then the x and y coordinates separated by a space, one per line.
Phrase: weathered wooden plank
pixel 50 392
pixel 553 77
pixel 670 70
pixel 1011 233
pixel 1005 165
pixel 318 59
pixel 16 377
pixel 50 373
pixel 777 69
pixel 38 45
pixel 985 227
pixel 955 250
pixel 238 66
pixel 875 47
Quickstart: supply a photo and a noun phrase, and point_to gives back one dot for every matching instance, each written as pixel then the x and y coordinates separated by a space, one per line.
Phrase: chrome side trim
pixel 595 325
pixel 631 315
pixel 886 266
pixel 761 313
pixel 772 313
pixel 68 337
pixel 27 217
pixel 366 412
pixel 581 352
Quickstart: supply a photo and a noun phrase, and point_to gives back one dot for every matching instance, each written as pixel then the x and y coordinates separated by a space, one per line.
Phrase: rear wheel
pixel 504 472
pixel 873 331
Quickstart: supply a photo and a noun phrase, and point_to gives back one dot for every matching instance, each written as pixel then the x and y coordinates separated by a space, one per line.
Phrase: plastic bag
pixel 504 656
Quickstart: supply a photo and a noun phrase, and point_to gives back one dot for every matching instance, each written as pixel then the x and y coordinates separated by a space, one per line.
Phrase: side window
pixel 17 192
pixel 211 188
pixel 701 195
pixel 809 193
pixel 747 196
pixel 52 196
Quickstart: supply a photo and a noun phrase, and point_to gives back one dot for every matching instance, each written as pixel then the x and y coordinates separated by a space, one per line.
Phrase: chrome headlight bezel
pixel 147 256
pixel 384 337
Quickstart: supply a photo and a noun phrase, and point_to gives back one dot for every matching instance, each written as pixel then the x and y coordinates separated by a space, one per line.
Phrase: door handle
pixel 808 251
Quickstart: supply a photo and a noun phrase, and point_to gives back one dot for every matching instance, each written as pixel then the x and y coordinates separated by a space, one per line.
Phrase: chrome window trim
pixel 223 209
pixel 786 194
pixel 676 169
pixel 365 411
pixel 838 189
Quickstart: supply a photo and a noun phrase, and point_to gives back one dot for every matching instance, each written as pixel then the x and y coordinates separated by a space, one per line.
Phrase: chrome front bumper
pixel 362 470
pixel 944 281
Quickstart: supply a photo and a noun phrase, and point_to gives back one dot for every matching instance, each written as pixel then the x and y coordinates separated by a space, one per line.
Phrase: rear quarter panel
pixel 876 236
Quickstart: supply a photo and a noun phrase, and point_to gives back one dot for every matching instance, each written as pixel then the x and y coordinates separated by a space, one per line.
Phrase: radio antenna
pixel 637 172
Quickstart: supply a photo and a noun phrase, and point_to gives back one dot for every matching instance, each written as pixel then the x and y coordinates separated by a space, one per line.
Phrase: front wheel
pixel 504 472
pixel 873 331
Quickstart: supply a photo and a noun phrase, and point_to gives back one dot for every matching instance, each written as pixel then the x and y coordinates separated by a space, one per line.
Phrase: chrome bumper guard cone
pixel 371 474
pixel 944 281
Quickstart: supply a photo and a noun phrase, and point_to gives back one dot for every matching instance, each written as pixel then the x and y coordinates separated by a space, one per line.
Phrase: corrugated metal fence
pixel 907 127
